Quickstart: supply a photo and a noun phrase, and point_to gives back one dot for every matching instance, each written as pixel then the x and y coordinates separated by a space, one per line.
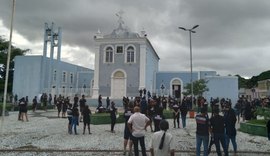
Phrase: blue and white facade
pixel 28 79
pixel 125 62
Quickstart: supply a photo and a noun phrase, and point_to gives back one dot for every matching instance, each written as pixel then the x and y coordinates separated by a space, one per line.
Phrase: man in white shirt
pixel 162 142
pixel 137 125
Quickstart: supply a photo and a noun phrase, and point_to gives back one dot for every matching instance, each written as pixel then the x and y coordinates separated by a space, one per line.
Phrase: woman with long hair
pixel 162 142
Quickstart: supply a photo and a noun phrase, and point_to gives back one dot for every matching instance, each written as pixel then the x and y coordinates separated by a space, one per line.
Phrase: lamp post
pixel 191 80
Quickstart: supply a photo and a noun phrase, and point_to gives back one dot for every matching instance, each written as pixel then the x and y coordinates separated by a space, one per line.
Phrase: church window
pixel 71 78
pixel 119 49
pixel 64 77
pixel 54 75
pixel 130 55
pixel 109 55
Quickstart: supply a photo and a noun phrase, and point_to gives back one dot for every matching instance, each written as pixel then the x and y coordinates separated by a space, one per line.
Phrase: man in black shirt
pixel 217 130
pixel 202 132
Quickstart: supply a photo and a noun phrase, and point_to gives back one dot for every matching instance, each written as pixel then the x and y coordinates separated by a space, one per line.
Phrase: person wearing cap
pixel 137 124
pixel 217 125
pixel 202 132
pixel 162 142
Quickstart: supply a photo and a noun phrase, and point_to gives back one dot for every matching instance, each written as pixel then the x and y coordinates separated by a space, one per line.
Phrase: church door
pixel 118 89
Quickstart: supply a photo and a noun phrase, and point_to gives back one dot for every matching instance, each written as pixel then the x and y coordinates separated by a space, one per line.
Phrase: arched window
pixel 109 55
pixel 130 55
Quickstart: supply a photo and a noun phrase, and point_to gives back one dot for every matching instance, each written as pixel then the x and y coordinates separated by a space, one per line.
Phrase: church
pixel 125 62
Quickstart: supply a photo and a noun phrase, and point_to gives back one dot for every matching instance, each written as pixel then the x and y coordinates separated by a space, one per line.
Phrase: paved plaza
pixel 46 134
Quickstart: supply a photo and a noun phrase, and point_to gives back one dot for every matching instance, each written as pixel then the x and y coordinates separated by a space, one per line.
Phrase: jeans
pixel 199 140
pixel 232 138
pixel 75 123
pixel 142 143
pixel 220 138
pixel 183 120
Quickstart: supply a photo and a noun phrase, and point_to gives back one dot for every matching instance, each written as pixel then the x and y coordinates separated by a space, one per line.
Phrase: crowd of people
pixel 216 128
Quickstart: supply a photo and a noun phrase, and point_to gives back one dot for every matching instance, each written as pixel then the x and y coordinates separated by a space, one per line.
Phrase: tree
pixel 3 62
pixel 199 87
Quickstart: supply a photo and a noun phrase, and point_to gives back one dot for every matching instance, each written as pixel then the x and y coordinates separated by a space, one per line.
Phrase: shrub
pixel 258 122
pixel 8 106
pixel 263 111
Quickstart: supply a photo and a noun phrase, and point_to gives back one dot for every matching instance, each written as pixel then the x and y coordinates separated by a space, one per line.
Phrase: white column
pixel 96 73
pixel 142 66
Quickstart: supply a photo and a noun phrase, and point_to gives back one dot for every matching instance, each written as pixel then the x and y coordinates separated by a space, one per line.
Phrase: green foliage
pixel 8 106
pixel 253 81
pixel 199 87
pixel 263 111
pixel 3 62
pixel 242 82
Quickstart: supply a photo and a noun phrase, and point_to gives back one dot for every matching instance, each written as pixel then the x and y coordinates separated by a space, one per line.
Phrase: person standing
pixel 230 121
pixel 137 125
pixel 176 114
pixel 217 131
pixel 34 105
pixel 45 100
pixel 202 132
pixel 184 110
pixel 99 101
pixel 23 109
pixel 108 103
pixel 86 119
pixel 113 112
pixel 162 142
pixel 50 99
pixel 75 119
pixel 127 134
pixel 69 116
pixel 82 105
pixel 54 101
pixel 75 100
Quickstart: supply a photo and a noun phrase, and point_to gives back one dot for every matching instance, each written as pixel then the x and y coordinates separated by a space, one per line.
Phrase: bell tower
pixel 55 39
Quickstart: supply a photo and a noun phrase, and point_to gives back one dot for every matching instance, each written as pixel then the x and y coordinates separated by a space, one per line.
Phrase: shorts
pixel 127 134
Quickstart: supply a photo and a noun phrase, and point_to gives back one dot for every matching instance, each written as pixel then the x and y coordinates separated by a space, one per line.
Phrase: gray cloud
pixel 232 38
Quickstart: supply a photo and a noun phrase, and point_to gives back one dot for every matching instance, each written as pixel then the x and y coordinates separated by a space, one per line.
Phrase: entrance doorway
pixel 118 89
pixel 176 88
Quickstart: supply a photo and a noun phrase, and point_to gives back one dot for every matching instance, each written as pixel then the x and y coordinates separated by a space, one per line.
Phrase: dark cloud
pixel 230 36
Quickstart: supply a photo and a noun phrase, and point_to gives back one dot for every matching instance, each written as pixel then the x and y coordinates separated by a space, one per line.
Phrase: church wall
pixel 27 76
pixel 106 70
pixel 165 78
pixel 151 68
pixel 222 87
pixel 26 81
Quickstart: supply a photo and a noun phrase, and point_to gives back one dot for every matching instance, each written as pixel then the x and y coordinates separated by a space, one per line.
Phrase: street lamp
pixel 191 80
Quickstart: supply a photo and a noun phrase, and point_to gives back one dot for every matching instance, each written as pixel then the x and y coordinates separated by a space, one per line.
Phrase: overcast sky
pixel 233 36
